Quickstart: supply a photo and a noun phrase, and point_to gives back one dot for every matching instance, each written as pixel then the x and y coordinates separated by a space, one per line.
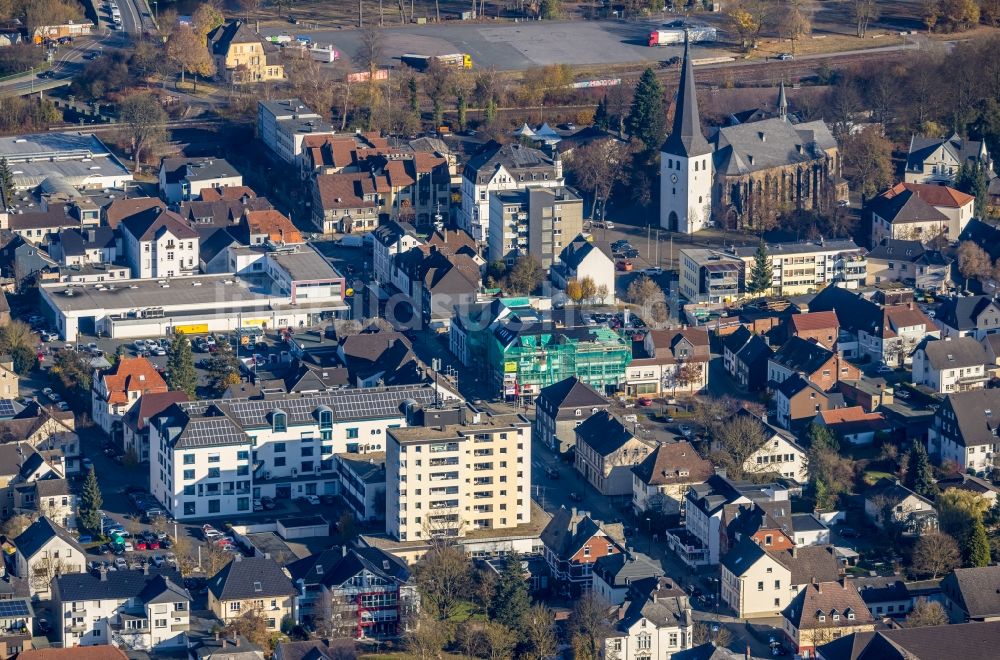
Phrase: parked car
pixel 86 538
pixel 43 626
pixel 268 503
pixel 158 560
pixel 685 430
pixel 170 558
pixel 785 57
pixel 120 564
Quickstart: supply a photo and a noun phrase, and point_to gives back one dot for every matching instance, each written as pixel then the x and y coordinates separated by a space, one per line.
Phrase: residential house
pixel 574 542
pixel 950 364
pixel 745 357
pixel 560 408
pixel 138 609
pixel 439 280
pixel 968 316
pixel 802 267
pixel 938 160
pixel 810 360
pixel 920 212
pixel 852 425
pixel 981 488
pixel 248 584
pixel 668 362
pixel 889 500
pixel 822 328
pixel 822 612
pixel 45 550
pixel 797 401
pixel 49 496
pixel 965 430
pixel 368 590
pixel 768 524
pixel 380 358
pixel 347 202
pixel 584 258
pixel 699 541
pixel 971 595
pixel 9 380
pixel 243 56
pixel 119 210
pixel 972 641
pixel 779 453
pixel 884 334
pixel 159 247
pixel 606 452
pixel 224 647
pixel 330 154
pixel 496 168
pixel 266 227
pixel 104 652
pixel 909 262
pixel 135 422
pixel 417 185
pixel 661 480
pixel 760 582
pixel 654 622
pixel 991 343
pixel 82 247
pixel 284 124
pixel 16 626
pixel 614 574
pixel 808 529
pixel 534 220
pixel 183 178
pixel 391 239
pixel 710 276
pixel 312 649
pixel 119 388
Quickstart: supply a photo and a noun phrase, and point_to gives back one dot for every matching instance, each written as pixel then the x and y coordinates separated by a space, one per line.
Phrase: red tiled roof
pixel 120 209
pixel 345 190
pixel 271 222
pixel 932 194
pixel 228 194
pixel 852 414
pixel 102 652
pixel 152 404
pixel 132 375
pixel 814 321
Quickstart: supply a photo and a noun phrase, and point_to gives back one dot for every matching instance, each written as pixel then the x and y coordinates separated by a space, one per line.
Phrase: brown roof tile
pixel 132 375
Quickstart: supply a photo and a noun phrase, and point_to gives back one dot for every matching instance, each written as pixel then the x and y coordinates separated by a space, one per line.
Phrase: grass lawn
pixel 871 476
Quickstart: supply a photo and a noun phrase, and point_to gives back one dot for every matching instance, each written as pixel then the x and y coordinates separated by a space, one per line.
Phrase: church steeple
pixel 686 138
pixel 782 102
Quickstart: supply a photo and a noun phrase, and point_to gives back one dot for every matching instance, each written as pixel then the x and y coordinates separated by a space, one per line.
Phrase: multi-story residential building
pixel 968 316
pixel 950 365
pixel 362 484
pixel 119 388
pixel 212 457
pixel 560 408
pixel 499 167
pixel 535 220
pixel 461 470
pixel 698 543
pixel 957 207
pixel 522 360
pixel 17 625
pixel 888 502
pixel 884 334
pixel 574 542
pixel 50 497
pixel 964 430
pixel 9 379
pixel 183 179
pixel 346 202
pixel 710 276
pixel 654 622
pixel 248 584
pixel 810 360
pixel 758 581
pixel 909 262
pixel 367 592
pixel 614 574
pixel 606 452
pixel 745 357
pixel 242 56
pixel 903 215
pixel 136 610
pixel 822 612
pixel 417 185
pixel 391 239
pixel 938 160
pixel 160 246
pixel 284 124
pixel 82 247
pixel 807 266
pixel 660 481
pixel 820 327
pixel 585 259
pixel 135 423
pixel 669 362
pixel 778 453
pixel 46 550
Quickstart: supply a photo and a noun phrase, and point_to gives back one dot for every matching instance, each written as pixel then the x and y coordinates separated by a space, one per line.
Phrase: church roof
pixel 762 145
pixel 686 138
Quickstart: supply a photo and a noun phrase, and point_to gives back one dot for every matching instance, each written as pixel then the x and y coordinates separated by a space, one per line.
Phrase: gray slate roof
pixel 686 138
pixel 969 641
pixel 572 393
pixel 337 565
pixel 741 149
pixel 977 414
pixel 975 590
pixel 963 312
pixel 41 532
pixel 159 585
pixel 251 577
pixel 603 433
pixel 953 353
pixel 623 568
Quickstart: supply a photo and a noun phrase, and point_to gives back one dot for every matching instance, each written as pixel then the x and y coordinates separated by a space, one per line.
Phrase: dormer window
pixel 279 421
pixel 577 412
pixel 325 418
pixel 257 588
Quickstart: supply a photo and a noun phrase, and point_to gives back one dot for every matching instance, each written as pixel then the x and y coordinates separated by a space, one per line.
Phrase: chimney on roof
pixel 795 552
pixel 103 574
pixel 238 557
pixel 236 640
pixel 216 636
pixel 145 568
pixel 343 550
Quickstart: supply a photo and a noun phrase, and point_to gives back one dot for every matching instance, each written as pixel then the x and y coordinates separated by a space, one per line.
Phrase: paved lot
pixel 513 46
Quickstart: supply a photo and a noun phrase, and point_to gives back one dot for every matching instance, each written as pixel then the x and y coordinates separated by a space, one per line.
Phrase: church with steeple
pixel 743 176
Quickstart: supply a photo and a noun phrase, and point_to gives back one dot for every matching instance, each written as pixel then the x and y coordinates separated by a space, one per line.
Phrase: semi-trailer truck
pixel 676 36
pixel 454 60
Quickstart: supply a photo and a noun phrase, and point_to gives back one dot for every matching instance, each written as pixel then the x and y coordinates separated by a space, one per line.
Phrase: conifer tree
pixel 646 119
pixel 922 480
pixel 91 502
pixel 761 272
pixel 511 601
pixel 180 366
pixel 977 545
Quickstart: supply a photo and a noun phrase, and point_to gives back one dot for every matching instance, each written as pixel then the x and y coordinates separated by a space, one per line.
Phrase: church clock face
pixel 673 178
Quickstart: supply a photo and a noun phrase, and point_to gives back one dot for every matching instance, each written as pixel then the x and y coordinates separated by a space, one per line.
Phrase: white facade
pixel 382 256
pixel 55 557
pixel 943 381
pixel 762 589
pixel 163 256
pixel 779 454
pixel 644 640
pixel 685 192
pixel 474 216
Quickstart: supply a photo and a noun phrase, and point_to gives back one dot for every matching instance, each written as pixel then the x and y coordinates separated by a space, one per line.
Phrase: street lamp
pixel 649 544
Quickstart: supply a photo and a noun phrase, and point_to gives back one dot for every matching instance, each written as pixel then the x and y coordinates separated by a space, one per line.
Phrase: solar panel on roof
pixel 6 408
pixel 9 608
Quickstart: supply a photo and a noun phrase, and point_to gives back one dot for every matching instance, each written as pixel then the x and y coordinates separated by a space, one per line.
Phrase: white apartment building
pixel 212 457
pixel 805 266
pixel 391 239
pixel 498 168
pixel 161 246
pixel 652 623
pixel 461 471
pixel 284 124
pixel 950 364
pixel 134 610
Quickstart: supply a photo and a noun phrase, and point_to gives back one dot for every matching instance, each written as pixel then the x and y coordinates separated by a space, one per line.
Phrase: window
pixel 325 419
pixel 777 584
pixel 188 459
pixel 777 602
pixel 279 461
pixel 586 551
pixel 189 508
pixel 279 421
pixel 213 473
pixel 279 447
pixel 243 504
pixel 189 474
pixel 213 506
pixel 760 586
pixel 352 434
pixel 242 455
pixel 768 539
pixel 307 451
pixel 189 490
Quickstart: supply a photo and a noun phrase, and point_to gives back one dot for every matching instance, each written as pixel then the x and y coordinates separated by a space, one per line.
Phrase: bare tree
pixel 935 553
pixel 426 636
pixel 334 616
pixel 735 442
pixel 500 640
pixel 597 167
pixel 863 12
pixel 189 53
pixel 540 633
pixel 142 119
pixel 590 625
pixel 252 626
pixel 444 579
pixel 15 525
pixel 44 571
pixel 926 613
pixel 973 261
pixel 183 550
pixel 311 82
